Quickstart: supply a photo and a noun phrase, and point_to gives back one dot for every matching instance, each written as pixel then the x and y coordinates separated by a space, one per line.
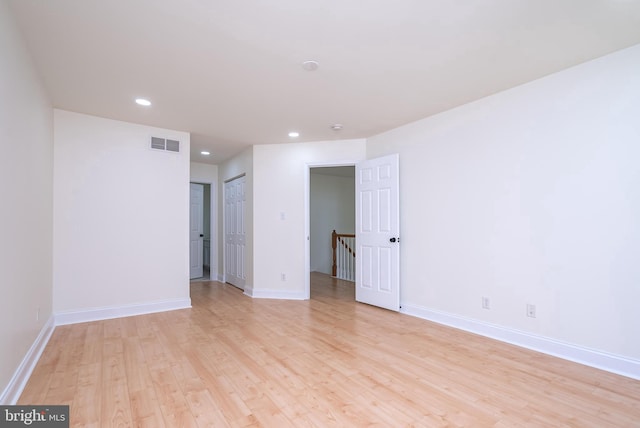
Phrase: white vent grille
pixel 165 144
pixel 173 146
pixel 157 143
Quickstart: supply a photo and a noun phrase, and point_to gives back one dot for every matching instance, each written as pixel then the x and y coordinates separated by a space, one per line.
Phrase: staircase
pixel 344 256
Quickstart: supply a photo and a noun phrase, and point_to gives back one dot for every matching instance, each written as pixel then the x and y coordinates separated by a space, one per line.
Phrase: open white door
pixel 377 232
pixel 196 230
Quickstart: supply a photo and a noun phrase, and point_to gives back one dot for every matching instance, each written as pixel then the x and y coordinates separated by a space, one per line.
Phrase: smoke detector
pixel 310 65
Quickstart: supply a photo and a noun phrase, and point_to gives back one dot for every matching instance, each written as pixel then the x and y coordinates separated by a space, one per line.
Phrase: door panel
pixel 235 235
pixel 377 232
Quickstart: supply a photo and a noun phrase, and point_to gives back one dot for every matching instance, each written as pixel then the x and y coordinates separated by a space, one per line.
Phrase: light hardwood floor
pixel 236 361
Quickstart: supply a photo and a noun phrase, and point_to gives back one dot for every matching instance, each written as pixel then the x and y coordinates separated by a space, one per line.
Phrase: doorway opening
pixel 200 232
pixel 331 208
pixel 377 221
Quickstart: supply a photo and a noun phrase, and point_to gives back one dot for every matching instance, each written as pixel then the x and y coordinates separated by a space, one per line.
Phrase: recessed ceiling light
pixel 294 134
pixel 143 102
pixel 310 65
pixel 336 126
pixel 205 153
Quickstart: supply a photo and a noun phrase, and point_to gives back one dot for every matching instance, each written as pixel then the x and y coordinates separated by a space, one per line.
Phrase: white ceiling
pixel 229 71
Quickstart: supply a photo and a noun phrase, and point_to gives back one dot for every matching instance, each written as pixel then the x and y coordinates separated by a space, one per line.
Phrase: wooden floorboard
pixel 241 362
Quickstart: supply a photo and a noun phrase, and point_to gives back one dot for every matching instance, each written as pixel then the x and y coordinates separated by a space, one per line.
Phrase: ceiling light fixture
pixel 294 134
pixel 310 65
pixel 205 153
pixel 143 102
pixel 336 126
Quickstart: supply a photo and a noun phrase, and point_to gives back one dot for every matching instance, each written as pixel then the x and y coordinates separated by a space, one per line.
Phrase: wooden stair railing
pixel 344 255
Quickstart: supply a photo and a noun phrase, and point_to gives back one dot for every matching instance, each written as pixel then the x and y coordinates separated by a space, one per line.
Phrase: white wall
pixel 280 174
pixel 121 215
pixel 26 171
pixel 332 206
pixel 203 173
pixel 530 196
pixel 241 164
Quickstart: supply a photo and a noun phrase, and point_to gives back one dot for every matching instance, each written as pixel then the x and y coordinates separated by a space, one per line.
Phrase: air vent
pixel 173 145
pixel 157 143
pixel 165 144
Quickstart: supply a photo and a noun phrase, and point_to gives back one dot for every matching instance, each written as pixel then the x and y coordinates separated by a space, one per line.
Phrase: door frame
pixel 307 215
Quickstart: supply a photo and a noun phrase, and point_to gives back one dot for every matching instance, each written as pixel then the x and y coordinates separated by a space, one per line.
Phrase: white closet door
pixel 234 231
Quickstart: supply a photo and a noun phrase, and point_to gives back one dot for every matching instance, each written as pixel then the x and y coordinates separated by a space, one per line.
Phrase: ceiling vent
pixel 165 144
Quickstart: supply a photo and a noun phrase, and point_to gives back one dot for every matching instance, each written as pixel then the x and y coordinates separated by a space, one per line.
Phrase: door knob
pixel 392 240
pixel 201 235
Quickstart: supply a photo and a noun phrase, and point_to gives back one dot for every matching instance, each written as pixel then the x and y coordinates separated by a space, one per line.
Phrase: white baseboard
pixel 612 363
pixel 274 294
pixel 16 385
pixel 105 313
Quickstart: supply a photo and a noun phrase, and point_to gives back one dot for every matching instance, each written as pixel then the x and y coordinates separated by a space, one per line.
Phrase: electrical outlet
pixel 531 310
pixel 283 276
pixel 486 303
